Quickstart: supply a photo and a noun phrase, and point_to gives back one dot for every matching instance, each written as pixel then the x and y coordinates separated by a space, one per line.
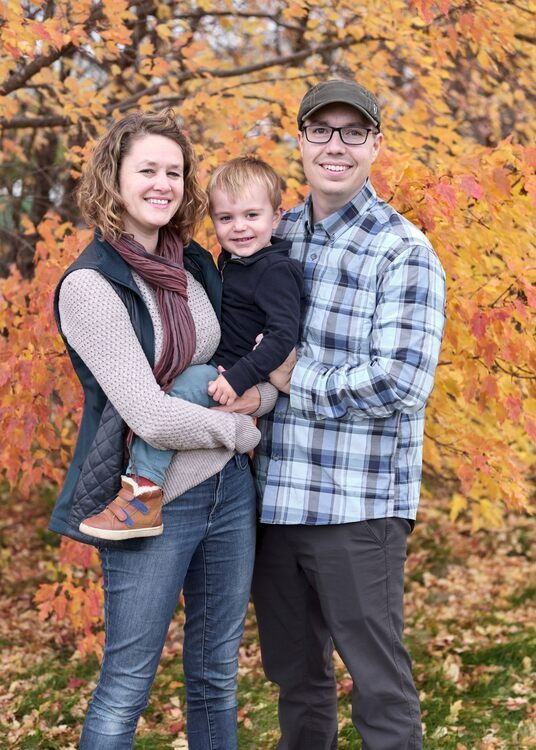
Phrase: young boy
pixel 262 289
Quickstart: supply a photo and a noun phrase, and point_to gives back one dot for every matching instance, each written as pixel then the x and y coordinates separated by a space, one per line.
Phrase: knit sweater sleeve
pixel 96 324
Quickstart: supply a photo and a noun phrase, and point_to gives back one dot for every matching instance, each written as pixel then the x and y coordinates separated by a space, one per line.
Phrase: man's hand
pixel 221 390
pixel 247 403
pixel 281 377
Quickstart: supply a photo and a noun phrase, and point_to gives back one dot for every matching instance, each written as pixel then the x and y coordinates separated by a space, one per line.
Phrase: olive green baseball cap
pixel 338 91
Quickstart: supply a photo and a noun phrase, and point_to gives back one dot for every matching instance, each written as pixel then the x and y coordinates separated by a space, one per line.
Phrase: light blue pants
pixel 191 385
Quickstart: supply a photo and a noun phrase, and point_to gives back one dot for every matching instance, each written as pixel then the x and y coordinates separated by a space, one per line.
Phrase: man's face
pixel 334 170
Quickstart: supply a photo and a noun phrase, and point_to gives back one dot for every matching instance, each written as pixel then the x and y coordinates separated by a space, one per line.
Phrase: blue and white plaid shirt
pixel 347 444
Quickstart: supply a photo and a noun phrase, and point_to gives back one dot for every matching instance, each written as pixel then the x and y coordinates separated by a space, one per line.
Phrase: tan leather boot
pixel 135 512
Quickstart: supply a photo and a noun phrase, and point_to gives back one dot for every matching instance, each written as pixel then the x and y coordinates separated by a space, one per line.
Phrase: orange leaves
pixel 483 405
pixel 34 369
pixel 79 555
pixel 454 87
pixel 80 604
pixel 76 597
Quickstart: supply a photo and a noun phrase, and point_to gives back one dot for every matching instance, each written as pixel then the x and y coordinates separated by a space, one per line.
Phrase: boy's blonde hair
pixel 235 176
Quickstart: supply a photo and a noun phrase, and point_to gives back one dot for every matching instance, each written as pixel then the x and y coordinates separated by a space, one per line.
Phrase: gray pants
pixel 315 586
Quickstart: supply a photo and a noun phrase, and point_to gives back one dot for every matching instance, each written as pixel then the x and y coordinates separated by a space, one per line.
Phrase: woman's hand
pixel 281 377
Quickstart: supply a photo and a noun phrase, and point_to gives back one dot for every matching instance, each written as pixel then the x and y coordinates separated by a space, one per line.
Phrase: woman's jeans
pixel 207 550
pixel 191 385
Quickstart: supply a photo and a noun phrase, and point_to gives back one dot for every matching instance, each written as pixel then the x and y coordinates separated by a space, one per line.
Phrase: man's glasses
pixel 349 135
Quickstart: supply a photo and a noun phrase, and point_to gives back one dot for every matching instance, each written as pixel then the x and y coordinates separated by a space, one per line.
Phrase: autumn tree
pixel 453 78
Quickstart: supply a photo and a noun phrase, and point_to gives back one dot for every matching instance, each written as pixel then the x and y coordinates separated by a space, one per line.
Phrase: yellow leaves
pixel 163 31
pixel 457 505
pixel 454 712
pixel 294 10
pixel 487 515
pixel 146 48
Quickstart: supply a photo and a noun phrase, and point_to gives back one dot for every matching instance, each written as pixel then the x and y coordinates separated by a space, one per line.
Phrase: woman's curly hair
pixel 98 195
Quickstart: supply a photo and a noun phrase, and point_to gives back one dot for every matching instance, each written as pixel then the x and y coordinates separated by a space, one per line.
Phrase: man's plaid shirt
pixel 347 444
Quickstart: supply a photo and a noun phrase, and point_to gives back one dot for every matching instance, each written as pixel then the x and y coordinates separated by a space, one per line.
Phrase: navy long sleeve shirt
pixel 261 294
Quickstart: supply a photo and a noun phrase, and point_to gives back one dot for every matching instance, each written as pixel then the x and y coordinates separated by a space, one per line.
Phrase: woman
pixel 135 310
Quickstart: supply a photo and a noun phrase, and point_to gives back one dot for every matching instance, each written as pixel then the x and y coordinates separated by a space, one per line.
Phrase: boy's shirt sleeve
pixel 278 295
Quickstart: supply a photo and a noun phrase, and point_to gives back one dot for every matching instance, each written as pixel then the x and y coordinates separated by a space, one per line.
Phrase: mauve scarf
pixel 164 270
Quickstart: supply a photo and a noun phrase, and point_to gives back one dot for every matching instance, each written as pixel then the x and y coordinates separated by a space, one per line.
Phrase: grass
pixel 456 713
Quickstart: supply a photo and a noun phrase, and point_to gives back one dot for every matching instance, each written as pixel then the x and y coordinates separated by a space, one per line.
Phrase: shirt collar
pixel 339 220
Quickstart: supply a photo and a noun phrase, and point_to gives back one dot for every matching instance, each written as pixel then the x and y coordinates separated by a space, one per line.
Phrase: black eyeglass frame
pixel 304 129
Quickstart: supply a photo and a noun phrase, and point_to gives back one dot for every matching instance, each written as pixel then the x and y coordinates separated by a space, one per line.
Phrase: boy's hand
pixel 221 391
pixel 247 403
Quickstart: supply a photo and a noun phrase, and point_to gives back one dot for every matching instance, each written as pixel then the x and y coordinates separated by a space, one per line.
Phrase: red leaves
pixel 471 187
pixel 448 195
pixel 530 294
pixel 514 407
pixel 530 426
pixel 465 474
pixel 425 8
pixel 345 686
pixel 77 597
pixel 479 324
pixel 76 682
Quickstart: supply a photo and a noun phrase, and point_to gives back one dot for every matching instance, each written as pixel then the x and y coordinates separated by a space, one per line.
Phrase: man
pixel 339 464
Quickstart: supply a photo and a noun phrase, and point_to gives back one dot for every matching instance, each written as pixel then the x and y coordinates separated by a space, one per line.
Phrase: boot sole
pixel 116 536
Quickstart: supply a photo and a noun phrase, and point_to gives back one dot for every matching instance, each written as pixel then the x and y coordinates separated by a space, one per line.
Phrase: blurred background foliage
pixel 454 79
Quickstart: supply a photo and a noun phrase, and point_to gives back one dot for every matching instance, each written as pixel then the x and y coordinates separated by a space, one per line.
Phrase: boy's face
pixel 245 225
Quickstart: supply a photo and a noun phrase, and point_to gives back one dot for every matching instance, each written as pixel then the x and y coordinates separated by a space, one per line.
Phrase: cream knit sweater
pixel 97 326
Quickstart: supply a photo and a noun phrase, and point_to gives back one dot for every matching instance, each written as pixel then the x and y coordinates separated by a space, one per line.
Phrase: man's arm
pixel 398 375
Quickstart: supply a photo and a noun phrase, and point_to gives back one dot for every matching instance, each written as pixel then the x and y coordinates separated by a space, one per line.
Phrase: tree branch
pixel 231 73
pixel 122 106
pixel 525 38
pixel 17 80
pixel 47 121
pixel 197 15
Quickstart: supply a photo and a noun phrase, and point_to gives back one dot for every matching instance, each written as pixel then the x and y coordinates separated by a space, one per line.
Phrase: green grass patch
pixel 462 711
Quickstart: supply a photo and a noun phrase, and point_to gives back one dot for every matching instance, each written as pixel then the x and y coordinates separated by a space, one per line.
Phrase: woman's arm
pixel 97 325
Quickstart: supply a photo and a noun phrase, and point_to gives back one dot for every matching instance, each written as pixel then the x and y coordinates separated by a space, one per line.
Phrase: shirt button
pixel 314 256
pixel 275 457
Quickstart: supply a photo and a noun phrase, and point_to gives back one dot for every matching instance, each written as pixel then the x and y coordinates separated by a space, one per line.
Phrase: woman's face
pixel 151 185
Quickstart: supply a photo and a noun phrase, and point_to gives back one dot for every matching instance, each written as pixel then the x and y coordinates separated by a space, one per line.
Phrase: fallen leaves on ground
pixel 466 593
